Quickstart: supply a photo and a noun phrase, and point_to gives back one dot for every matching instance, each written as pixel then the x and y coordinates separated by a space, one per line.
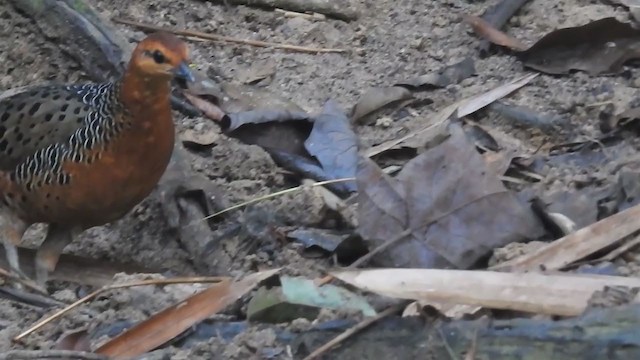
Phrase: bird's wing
pixel 42 116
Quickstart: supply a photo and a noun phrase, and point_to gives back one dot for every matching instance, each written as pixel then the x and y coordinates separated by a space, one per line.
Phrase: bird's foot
pixel 21 281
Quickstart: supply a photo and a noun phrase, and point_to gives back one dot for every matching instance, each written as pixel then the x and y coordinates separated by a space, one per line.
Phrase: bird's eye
pixel 158 57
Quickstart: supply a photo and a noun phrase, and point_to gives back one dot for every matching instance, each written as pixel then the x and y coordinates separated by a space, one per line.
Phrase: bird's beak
pixel 184 72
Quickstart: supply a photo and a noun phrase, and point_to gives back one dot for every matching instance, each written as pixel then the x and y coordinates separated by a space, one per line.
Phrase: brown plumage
pixel 79 156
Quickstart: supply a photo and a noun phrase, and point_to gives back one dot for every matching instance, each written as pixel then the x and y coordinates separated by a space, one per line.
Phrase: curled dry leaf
pixel 599 47
pixel 455 208
pixel 377 98
pixel 172 321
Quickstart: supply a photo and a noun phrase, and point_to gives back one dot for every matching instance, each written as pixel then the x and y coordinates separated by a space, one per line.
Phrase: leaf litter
pixel 329 164
pixel 600 47
pixel 455 208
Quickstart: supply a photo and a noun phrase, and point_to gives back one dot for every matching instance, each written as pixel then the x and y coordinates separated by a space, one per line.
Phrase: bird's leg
pixel 49 252
pixel 12 230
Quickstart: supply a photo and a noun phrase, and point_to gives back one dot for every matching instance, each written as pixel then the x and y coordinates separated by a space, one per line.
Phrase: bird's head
pixel 162 56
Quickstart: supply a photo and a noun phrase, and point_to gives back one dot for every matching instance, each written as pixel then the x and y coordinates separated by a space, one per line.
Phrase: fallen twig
pixel 336 9
pixel 50 354
pixel 312 16
pixel 215 37
pixel 276 194
pixel 489 33
pixel 498 15
pixel 24 297
pixel 77 303
pixel 349 332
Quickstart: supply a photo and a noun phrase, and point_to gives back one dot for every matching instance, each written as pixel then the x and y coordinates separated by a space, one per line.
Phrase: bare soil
pixel 392 41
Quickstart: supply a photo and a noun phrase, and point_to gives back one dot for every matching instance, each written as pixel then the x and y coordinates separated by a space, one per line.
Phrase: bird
pixel 77 156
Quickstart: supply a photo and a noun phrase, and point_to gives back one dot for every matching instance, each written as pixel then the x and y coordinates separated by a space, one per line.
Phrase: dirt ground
pixel 392 41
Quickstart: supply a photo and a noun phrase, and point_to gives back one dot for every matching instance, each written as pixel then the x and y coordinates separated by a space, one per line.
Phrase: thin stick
pixel 50 354
pixel 276 194
pixel 351 331
pixel 215 37
pixel 185 280
pixel 13 294
pixel 498 16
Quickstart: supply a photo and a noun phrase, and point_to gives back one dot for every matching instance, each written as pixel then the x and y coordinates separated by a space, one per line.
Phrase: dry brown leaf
pixel 454 208
pixel 485 30
pixel 599 47
pixel 172 321
pixel 550 294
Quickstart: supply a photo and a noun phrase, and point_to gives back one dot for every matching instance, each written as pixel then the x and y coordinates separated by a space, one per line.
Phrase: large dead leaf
pixel 173 320
pixel 599 47
pixel 550 294
pixel 456 209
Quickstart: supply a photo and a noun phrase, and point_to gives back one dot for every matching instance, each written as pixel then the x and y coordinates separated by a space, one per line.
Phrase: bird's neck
pixel 144 96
